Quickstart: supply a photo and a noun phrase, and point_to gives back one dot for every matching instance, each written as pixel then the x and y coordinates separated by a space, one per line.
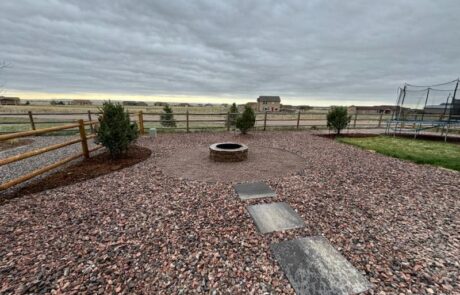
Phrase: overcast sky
pixel 309 52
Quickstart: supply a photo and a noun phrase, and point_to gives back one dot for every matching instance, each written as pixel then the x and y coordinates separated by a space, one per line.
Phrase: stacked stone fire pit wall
pixel 228 152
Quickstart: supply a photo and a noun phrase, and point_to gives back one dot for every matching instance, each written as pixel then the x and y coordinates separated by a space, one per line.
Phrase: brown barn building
pixel 4 100
pixel 268 103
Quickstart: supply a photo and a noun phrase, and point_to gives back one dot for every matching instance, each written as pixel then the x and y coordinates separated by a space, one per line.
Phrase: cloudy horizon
pixel 315 52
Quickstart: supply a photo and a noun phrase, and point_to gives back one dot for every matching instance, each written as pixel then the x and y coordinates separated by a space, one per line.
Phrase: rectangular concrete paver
pixel 314 267
pixel 254 190
pixel 274 217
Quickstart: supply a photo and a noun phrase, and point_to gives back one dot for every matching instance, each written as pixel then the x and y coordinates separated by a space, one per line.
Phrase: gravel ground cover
pixel 22 167
pixel 141 230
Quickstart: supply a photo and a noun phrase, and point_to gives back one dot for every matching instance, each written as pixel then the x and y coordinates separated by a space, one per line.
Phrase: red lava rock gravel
pixel 141 230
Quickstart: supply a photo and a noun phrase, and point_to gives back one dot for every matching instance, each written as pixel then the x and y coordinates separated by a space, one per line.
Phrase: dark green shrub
pixel 233 115
pixel 115 131
pixel 247 120
pixel 167 118
pixel 338 119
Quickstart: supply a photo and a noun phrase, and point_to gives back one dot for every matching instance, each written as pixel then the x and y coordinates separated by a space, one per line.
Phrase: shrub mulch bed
pixel 97 165
pixel 141 230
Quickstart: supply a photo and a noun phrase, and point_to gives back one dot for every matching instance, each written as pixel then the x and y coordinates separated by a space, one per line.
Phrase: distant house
pixel 269 103
pixel 382 109
pixel 4 100
pixel 135 103
pixel 81 102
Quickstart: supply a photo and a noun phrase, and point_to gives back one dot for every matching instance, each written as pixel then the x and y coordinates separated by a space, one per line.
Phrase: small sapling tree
pixel 233 115
pixel 115 131
pixel 247 120
pixel 338 119
pixel 167 118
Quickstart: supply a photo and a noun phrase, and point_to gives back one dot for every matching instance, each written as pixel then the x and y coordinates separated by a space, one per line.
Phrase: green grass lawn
pixel 419 151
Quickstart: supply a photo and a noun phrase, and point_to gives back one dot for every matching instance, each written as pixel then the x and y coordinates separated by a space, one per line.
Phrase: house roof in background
pixel 269 98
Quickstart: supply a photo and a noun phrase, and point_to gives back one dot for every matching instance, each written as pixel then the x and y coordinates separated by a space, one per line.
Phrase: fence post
pixel 298 119
pixel 380 120
pixel 90 125
pixel 228 121
pixel 84 140
pixel 187 119
pixel 265 121
pixel 354 122
pixel 31 118
pixel 141 122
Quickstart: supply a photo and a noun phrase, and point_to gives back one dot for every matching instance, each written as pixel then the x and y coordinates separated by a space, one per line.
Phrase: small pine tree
pixel 115 131
pixel 233 115
pixel 247 120
pixel 338 119
pixel 167 118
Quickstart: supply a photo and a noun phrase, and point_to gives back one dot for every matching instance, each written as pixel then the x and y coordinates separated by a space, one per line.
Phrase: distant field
pixel 95 108
pixel 419 151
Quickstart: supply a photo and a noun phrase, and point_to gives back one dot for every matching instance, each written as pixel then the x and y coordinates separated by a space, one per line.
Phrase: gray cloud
pixel 333 50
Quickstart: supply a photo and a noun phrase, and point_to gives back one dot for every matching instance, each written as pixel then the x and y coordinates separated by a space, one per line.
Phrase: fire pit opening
pixel 229 146
pixel 228 152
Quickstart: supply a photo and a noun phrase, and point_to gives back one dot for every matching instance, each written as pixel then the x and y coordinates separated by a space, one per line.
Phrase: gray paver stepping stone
pixel 254 190
pixel 313 267
pixel 274 217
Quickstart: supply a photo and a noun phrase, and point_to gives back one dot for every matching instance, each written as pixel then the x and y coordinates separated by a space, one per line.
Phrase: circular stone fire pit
pixel 228 152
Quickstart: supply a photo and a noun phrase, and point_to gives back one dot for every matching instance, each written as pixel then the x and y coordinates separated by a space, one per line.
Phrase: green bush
pixel 247 120
pixel 233 115
pixel 167 118
pixel 115 131
pixel 338 119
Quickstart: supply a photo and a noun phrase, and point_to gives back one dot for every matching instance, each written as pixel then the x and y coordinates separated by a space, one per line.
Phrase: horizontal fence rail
pixel 83 139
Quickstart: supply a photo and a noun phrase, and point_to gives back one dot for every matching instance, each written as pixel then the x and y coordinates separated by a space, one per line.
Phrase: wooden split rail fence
pixel 263 120
pixel 187 121
pixel 83 139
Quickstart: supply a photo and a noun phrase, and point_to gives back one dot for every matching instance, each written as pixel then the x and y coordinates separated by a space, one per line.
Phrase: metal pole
pixel 426 101
pixel 453 101
pixel 400 108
